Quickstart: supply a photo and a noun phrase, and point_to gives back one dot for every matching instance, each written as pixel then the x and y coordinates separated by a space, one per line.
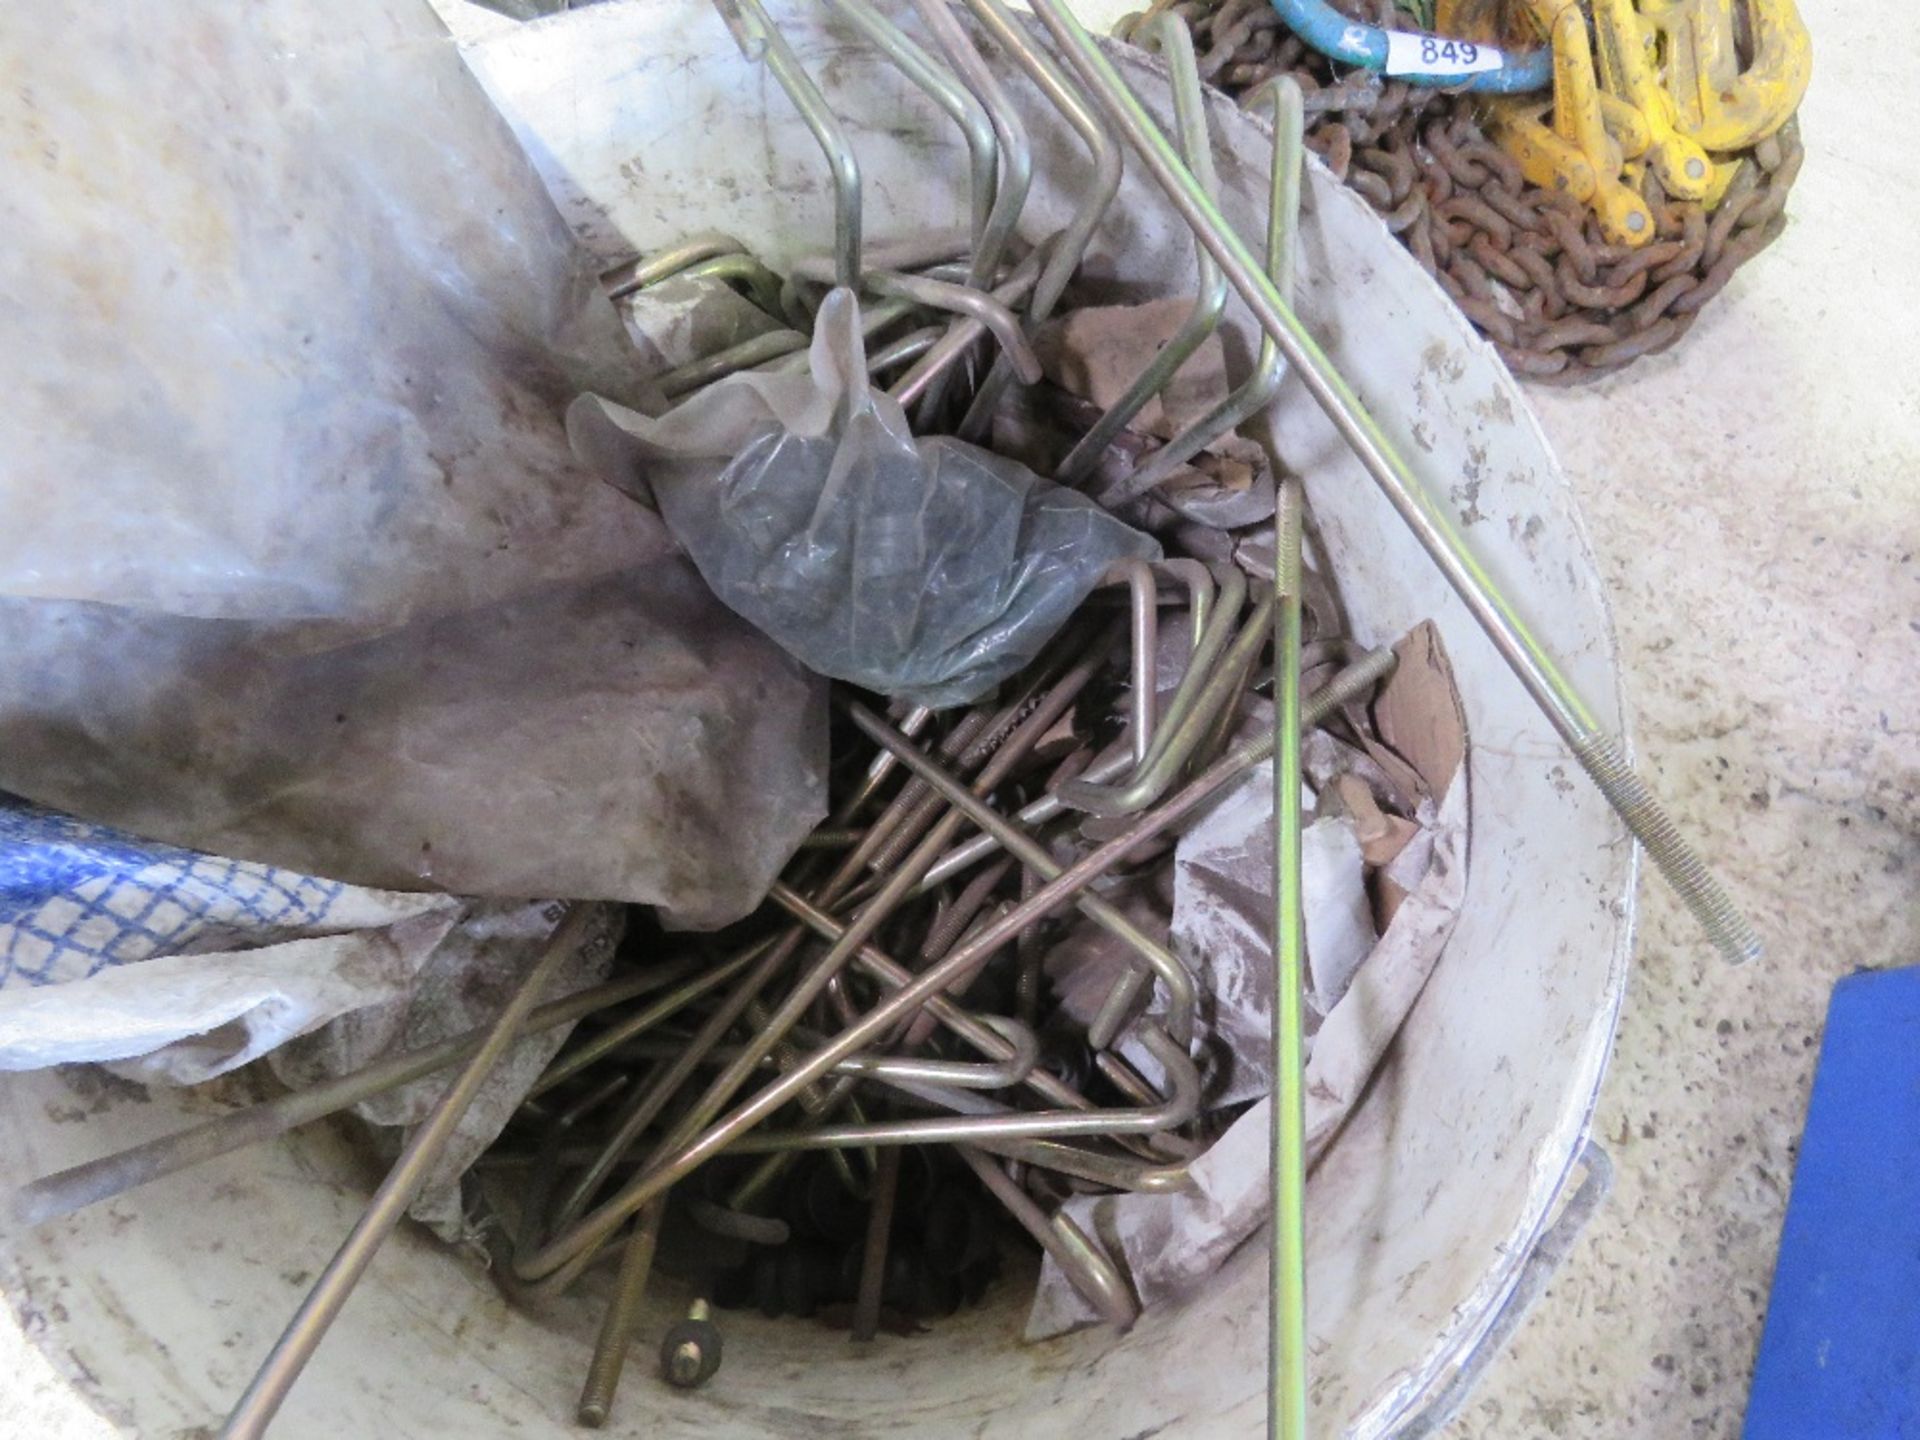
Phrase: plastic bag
pixel 927 569
pixel 296 564
pixel 173 967
pixel 292 322
pixel 623 738
pixel 178 966
pixel 464 985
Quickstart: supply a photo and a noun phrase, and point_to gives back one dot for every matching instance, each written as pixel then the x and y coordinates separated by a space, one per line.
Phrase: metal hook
pixel 763 286
pixel 969 1026
pixel 1182 997
pixel 1270 367
pixel 1016 158
pixel 1200 595
pixel 1104 184
pixel 1190 117
pixel 569 1243
pixel 1116 1172
pixel 760 39
pixel 910 346
pixel 569 1253
pixel 1086 1267
pixel 946 91
pixel 1599 753
pixel 264 1395
pixel 645 270
pixel 978 1117
pixel 615 1035
pixel 1200 692
pixel 696 374
pixel 963 300
pixel 646 1104
pixel 1000 1074
pixel 79 1186
pixel 1351 683
pixel 1144 635
pixel 959 338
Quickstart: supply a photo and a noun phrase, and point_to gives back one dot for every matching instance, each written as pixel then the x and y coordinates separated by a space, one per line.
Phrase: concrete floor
pixel 1755 499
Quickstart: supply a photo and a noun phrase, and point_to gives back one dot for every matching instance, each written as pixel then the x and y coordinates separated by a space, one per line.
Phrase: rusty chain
pixel 1528 267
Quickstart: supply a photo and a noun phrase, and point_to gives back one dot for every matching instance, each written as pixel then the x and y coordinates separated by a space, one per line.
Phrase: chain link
pixel 1528 267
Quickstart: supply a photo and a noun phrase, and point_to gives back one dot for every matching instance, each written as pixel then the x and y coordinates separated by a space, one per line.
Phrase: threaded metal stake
pixel 616 1330
pixel 1430 524
pixel 1600 756
pixel 1287 1263
pixel 684 1368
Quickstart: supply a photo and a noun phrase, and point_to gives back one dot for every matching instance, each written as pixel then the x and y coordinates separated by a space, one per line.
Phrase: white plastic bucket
pixel 649 124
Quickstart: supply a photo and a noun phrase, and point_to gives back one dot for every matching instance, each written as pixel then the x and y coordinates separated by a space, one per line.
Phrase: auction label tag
pixel 1409 54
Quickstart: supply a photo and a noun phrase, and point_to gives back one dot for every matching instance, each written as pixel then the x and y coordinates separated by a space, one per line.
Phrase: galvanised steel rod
pixel 941 86
pixel 1102 186
pixel 1287 1259
pixel 1210 297
pixel 78 1186
pixel 623 1309
pixel 289 1356
pixel 570 1250
pixel 1086 1266
pixel 1283 225
pixel 760 39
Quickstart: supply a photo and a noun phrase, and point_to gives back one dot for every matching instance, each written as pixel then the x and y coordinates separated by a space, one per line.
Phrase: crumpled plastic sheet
pixel 291 322
pixel 622 738
pixel 179 966
pixel 1167 1244
pixel 929 570
pixel 173 967
pixel 297 565
pixel 463 985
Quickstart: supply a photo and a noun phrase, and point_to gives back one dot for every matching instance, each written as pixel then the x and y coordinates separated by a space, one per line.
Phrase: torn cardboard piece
pixel 1170 1243
pixel 1098 351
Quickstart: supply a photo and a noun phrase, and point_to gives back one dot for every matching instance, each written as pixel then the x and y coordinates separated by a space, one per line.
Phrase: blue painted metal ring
pixel 1352 42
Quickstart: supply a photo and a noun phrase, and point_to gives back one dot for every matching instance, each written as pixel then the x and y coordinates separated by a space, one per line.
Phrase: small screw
pixel 690 1353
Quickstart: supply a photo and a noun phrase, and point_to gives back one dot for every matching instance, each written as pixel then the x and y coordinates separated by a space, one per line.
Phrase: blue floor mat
pixel 1840 1357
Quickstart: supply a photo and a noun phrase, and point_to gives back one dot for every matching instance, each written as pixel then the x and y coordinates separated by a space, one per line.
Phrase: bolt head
pixel 683 1366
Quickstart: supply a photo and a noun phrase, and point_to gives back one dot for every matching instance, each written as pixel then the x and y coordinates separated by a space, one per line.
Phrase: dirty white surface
pixel 1423 1208
pixel 1754 497
pixel 1751 498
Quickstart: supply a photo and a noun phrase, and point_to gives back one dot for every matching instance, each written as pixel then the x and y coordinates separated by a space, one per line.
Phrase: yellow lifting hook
pixel 1580 153
pixel 1626 70
pixel 1667 88
pixel 1720 105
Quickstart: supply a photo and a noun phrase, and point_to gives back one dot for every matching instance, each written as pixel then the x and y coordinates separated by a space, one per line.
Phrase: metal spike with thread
pixel 1287 1272
pixel 1532 665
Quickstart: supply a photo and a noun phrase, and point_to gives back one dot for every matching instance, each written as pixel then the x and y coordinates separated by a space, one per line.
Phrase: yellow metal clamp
pixel 1626 70
pixel 1579 154
pixel 1665 89
pixel 1721 105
